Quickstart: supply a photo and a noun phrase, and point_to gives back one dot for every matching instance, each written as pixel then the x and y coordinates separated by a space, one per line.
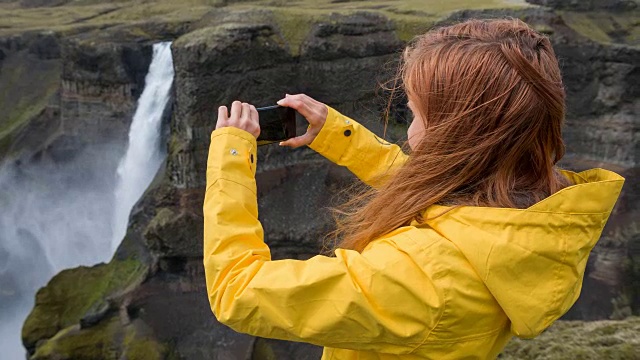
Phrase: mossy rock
pixel 174 233
pixel 109 340
pixel 26 86
pixel 295 19
pixel 606 27
pixel 74 293
pixel 262 351
pixel 619 340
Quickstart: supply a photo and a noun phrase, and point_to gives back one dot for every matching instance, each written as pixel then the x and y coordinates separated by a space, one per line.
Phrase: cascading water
pixel 56 216
pixel 143 156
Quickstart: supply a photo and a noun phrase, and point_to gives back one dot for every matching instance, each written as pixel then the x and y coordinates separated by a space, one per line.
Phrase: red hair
pixel 491 97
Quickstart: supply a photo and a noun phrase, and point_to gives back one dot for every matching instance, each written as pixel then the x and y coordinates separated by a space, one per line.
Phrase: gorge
pixel 71 93
pixel 46 228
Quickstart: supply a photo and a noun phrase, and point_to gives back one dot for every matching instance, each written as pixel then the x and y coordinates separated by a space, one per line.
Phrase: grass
pixel 26 84
pixel 410 13
pixel 606 27
pixel 295 24
pixel 568 340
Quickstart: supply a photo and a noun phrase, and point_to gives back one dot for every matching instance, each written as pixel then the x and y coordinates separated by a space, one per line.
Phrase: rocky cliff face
pixel 88 94
pixel 610 5
pixel 150 300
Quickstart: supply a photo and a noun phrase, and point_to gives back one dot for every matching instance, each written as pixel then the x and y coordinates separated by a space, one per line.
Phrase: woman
pixel 474 237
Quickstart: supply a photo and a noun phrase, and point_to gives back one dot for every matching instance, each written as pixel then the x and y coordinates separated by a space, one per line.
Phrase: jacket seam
pixel 471 337
pixel 567 213
pixel 531 210
pixel 562 191
pixel 233 181
pixel 557 272
pixel 230 132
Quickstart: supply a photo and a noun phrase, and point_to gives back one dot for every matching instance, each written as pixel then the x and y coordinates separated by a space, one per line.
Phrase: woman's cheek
pixel 412 133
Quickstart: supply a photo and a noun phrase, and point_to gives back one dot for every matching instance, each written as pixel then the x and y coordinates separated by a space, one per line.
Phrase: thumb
pixel 298 141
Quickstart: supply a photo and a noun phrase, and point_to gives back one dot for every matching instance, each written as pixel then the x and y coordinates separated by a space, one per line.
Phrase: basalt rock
pixel 585 5
pixel 86 94
pixel 355 36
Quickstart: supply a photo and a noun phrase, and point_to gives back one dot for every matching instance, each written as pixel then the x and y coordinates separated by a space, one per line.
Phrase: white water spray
pixel 143 157
pixel 57 216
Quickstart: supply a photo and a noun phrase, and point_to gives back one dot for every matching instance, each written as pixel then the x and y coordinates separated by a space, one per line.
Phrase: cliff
pixel 80 81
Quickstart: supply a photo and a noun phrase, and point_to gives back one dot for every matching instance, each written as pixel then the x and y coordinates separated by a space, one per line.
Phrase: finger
pixel 246 110
pixel 255 119
pixel 312 104
pixel 223 117
pixel 288 100
pixel 298 141
pixel 300 105
pixel 236 111
pixel 246 114
pixel 254 115
pixel 310 99
pixel 247 122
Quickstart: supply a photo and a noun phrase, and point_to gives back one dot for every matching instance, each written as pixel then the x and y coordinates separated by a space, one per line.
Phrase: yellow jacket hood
pixel 533 260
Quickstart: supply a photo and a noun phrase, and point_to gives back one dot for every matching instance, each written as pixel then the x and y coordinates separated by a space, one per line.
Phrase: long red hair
pixel 491 97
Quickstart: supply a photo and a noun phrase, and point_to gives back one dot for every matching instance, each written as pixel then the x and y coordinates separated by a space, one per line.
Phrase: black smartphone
pixel 277 123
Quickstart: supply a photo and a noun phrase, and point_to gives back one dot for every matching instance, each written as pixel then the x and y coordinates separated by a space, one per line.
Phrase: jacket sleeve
pixel 379 300
pixel 347 143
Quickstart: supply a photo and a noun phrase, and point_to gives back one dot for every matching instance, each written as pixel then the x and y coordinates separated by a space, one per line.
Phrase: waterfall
pixel 143 157
pixel 62 215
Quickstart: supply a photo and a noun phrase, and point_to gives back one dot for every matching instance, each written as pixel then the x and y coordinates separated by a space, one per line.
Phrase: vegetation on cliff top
pixel 294 17
pixel 606 27
pixel 569 340
pixel 92 13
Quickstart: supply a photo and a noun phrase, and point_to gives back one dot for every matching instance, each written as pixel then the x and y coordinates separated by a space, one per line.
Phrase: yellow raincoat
pixel 459 286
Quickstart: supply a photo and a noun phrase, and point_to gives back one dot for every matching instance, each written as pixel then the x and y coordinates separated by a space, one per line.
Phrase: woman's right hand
pixel 314 111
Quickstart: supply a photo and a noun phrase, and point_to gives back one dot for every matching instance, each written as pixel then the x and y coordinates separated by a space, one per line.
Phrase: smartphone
pixel 277 123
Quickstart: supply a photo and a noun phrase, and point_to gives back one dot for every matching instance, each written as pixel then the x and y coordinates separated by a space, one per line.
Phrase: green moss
pixel 26 86
pixel 411 17
pixel 408 27
pixel 543 28
pixel 262 350
pixel 163 216
pixel 606 27
pixel 73 293
pixel 295 26
pixel 145 349
pixel 81 344
pixel 140 345
pixel 208 36
pixel 619 340
pixel 109 339
pixel 175 145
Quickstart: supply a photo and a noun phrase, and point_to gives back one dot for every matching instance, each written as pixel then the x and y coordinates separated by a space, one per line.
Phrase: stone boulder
pixel 589 5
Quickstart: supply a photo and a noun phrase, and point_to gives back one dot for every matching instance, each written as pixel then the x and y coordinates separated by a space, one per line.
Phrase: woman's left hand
pixel 243 116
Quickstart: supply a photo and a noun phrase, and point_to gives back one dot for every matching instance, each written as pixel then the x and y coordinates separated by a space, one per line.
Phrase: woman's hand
pixel 243 116
pixel 314 111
